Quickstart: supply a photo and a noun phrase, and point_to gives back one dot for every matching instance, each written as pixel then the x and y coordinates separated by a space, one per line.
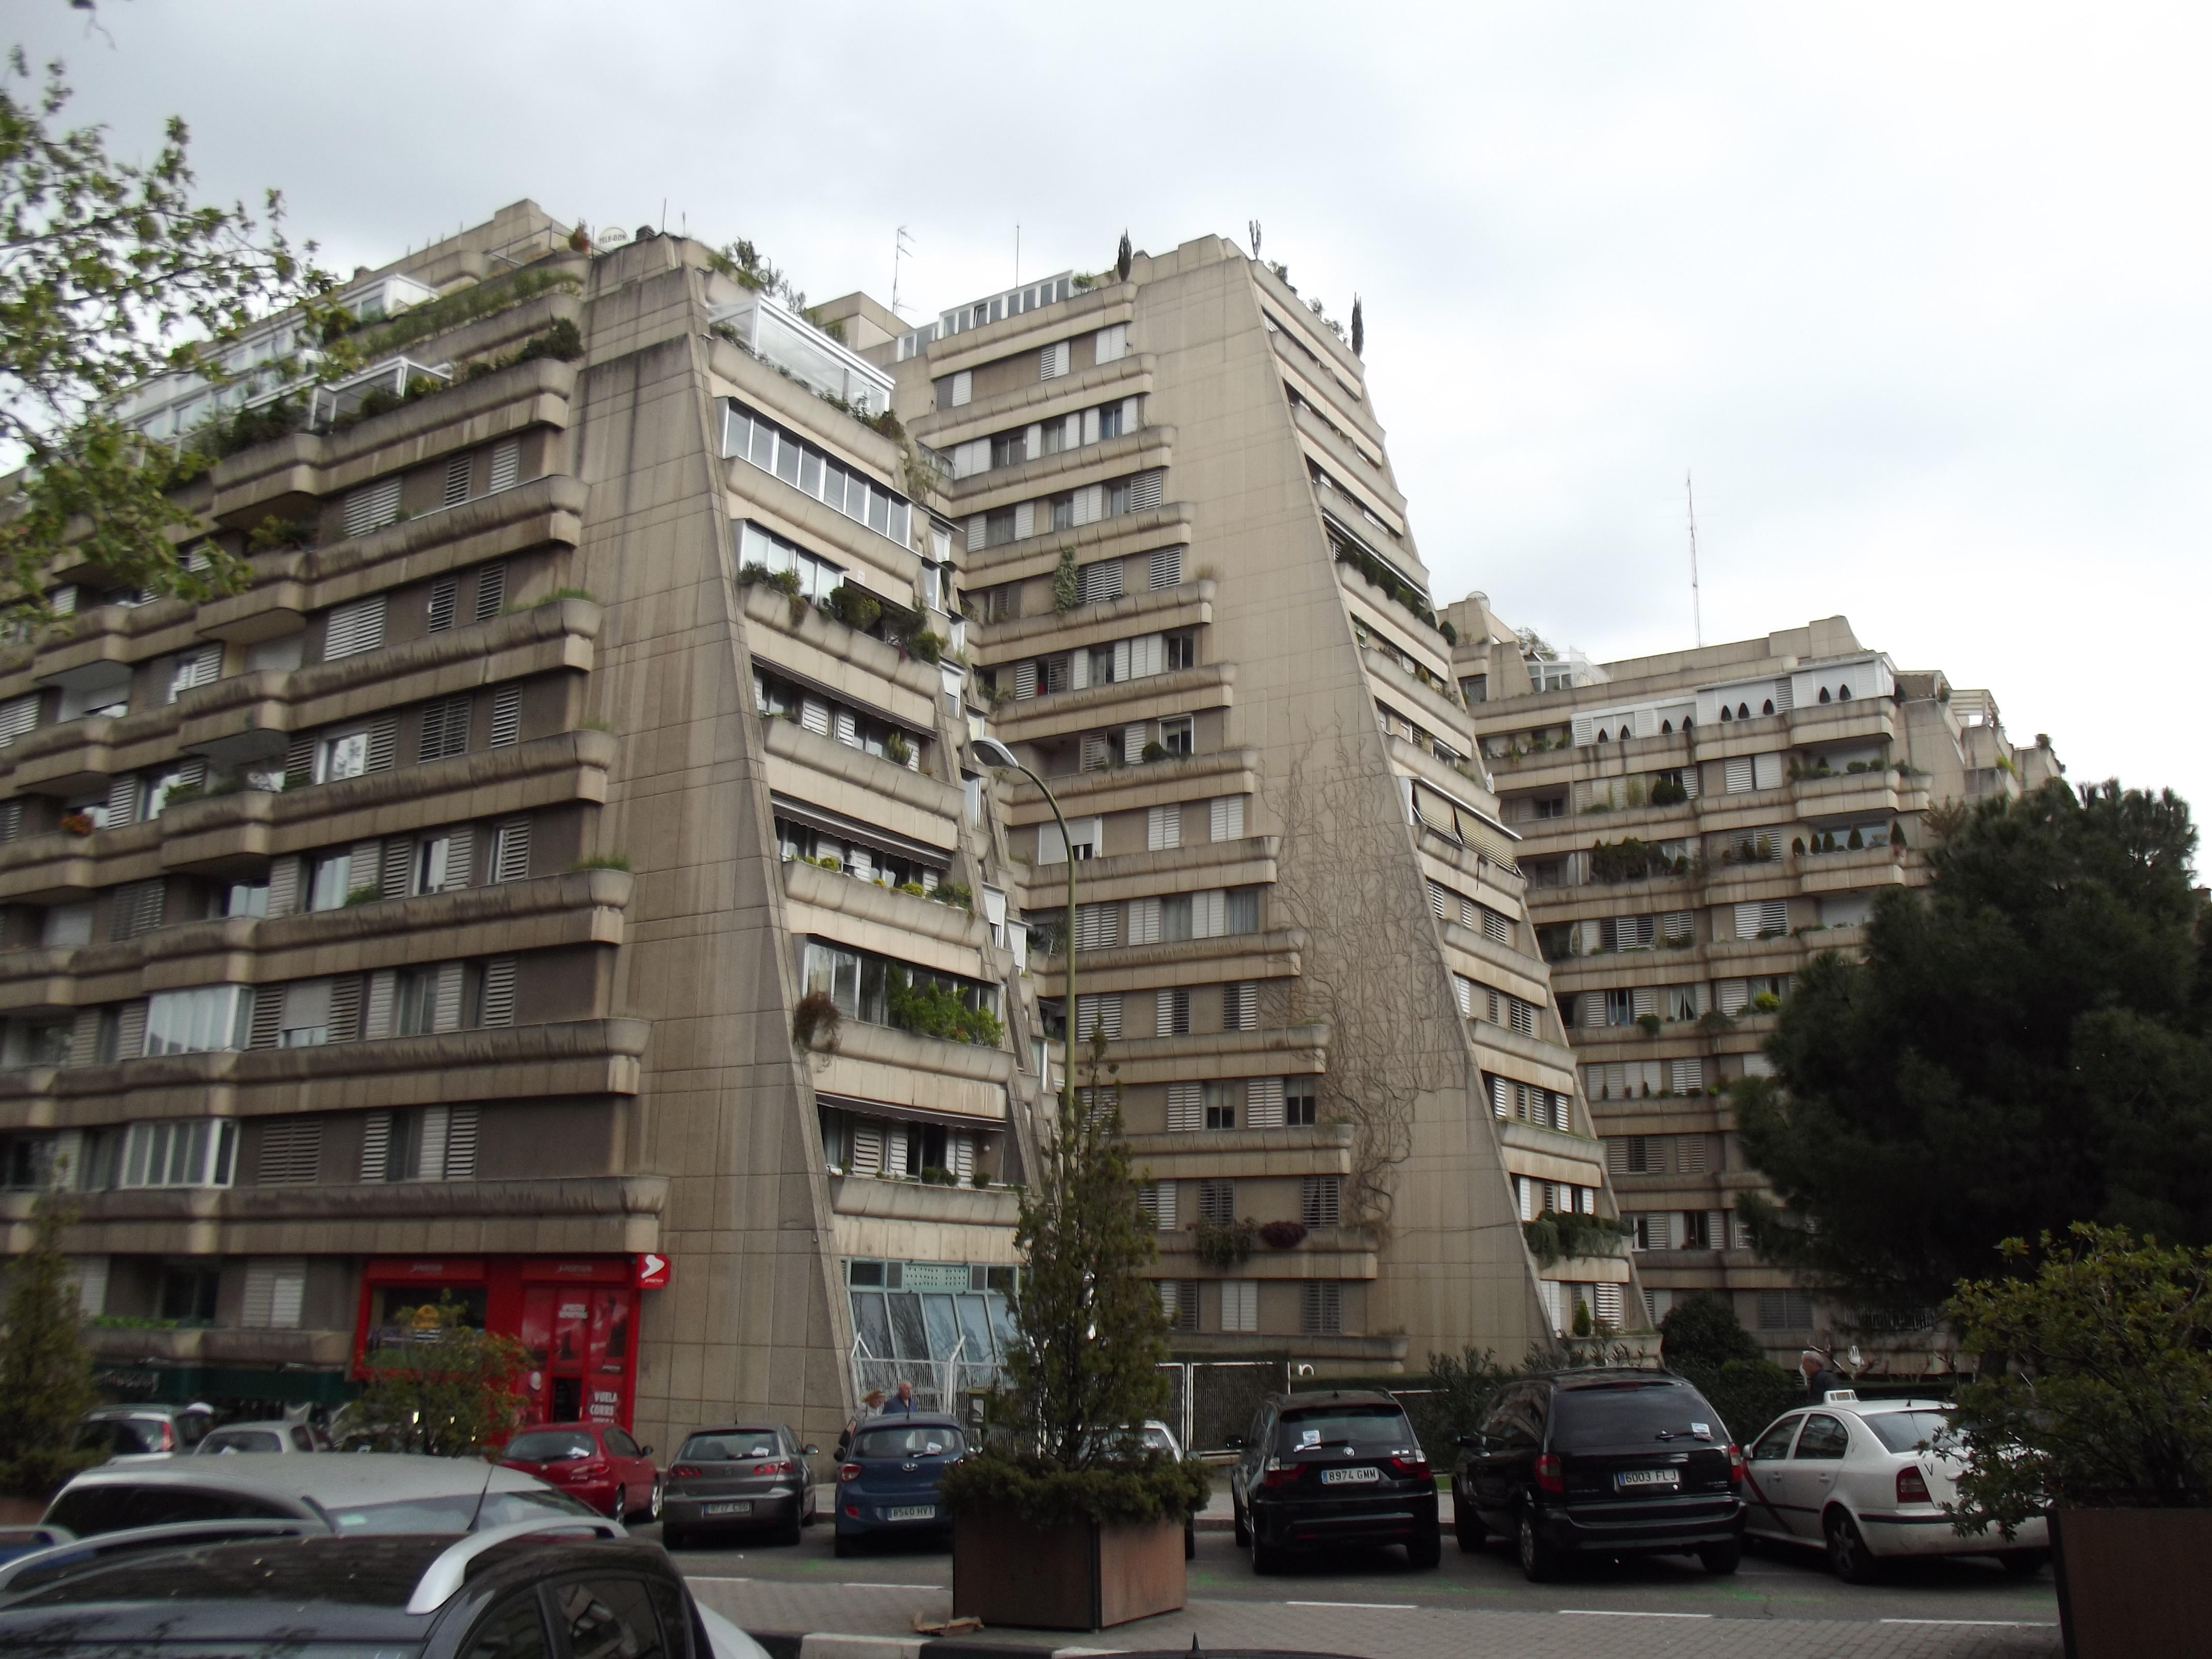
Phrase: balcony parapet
pixel 1033 720
pixel 1219 1055
pixel 1188 604
pixel 1277 953
pixel 1106 538
pixel 915 1201
pixel 1039 400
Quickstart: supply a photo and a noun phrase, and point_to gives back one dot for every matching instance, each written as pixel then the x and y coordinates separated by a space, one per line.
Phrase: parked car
pixel 887 1485
pixel 369 1491
pixel 142 1430
pixel 1330 1469
pixel 738 1478
pixel 1867 1481
pixel 1155 1436
pixel 294 1589
pixel 597 1463
pixel 1605 1461
pixel 271 1437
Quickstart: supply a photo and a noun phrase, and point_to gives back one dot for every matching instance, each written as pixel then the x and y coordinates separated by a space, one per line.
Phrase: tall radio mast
pixel 1697 601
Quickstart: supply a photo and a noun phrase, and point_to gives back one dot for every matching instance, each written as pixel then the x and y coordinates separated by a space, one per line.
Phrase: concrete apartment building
pixel 1696 826
pixel 557 882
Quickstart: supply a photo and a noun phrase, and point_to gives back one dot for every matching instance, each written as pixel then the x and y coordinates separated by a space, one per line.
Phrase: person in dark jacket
pixel 1819 1374
pixel 901 1404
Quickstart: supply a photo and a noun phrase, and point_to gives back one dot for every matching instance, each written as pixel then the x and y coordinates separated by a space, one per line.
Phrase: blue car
pixel 887 1485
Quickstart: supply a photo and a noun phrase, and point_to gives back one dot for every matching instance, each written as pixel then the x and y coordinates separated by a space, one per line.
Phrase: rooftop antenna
pixel 1697 601
pixel 902 248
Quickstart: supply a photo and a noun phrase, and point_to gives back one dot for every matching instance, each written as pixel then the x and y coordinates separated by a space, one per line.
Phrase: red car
pixel 597 1463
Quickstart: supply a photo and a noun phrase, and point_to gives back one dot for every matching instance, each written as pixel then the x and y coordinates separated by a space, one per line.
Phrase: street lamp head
pixel 991 753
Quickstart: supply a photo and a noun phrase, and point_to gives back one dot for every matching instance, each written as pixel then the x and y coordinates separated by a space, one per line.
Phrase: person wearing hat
pixel 1819 1374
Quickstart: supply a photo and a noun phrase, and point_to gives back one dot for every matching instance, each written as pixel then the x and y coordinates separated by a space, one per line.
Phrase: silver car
pixel 367 1492
pixel 147 1430
pixel 271 1437
pixel 1867 1481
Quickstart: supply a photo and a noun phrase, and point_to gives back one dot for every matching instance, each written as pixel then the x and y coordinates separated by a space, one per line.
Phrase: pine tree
pixel 1358 329
pixel 1121 257
pixel 45 1375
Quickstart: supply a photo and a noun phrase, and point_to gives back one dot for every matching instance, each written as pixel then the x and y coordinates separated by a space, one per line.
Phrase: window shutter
pixel 1240 1007
pixel 1495 927
pixel 444 598
pixel 963 388
pixel 1208 912
pixel 1263 1102
pixel 1747 920
pixel 1112 344
pixel 1145 921
pixel 376 1015
pixel 1186 1107
pixel 498 992
pixel 345 1008
pixel 1167 568
pixel 1089 505
pixel 1025 679
pixel 979 531
pixel 372 506
pixel 1052 362
pixel 283 886
pixel 1440 902
pixel 960 1150
pixel 275 1288
pixel 1738 770
pixel 1766 771
pixel 506 715
pixel 814 715
pixel 445 729
pixel 1102 580
pixel 457 479
pixel 1093 757
pixel 1463 990
pixel 1133 739
pixel 268 1019
pixel 461 850
pixel 1227 818
pixel 1144 489
pixel 376 1147
pixel 122 802
pixel 430 1145
pixel 11 819
pixel 847 728
pixel 137 909
pixel 491 591
pixel 446 1009
pixel 510 854
pixel 1099 1014
pixel 1163 829
pixel 353 629
pixel 506 466
pixel 291 1151
pixel 1097 926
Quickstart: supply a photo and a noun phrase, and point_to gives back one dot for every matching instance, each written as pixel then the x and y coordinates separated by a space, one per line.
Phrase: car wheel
pixel 619 1512
pixel 1467 1528
pixel 1539 1561
pixel 660 1498
pixel 1721 1559
pixel 1426 1549
pixel 1847 1551
pixel 2025 1563
pixel 1244 1526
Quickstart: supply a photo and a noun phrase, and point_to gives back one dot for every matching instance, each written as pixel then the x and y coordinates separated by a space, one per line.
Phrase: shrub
pixel 854 606
pixel 912 888
pixel 1283 1235
pixel 1703 1340
pixel 1067 585
pixel 1154 750
pixel 274 533
pixel 1667 793
pixel 815 1022
pixel 368 893
pixel 561 342
pixel 953 892
pixel 1766 1002
pixel 928 647
pixel 45 1375
pixel 1650 1023
pixel 934 1009
pixel 456 1395
pixel 897 750
pixel 603 862
pixel 1554 1235
pixel 1226 1245
pixel 783 581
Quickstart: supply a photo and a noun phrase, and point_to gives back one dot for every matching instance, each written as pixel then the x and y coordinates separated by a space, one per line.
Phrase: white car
pixel 1867 1480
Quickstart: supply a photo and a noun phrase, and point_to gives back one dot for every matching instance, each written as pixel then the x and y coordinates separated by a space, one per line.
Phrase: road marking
pixel 1372 1607
pixel 2008 1624
pixel 902 1587
pixel 1628 1613
pixel 702 1579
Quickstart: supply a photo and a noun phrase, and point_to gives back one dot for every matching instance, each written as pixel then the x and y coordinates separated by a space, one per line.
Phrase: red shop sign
pixel 652 1272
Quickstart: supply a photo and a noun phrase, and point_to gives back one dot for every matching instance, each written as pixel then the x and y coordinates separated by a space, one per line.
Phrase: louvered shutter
pixel 1163 829
pixel 459 855
pixel 376 1011
pixel 275 1289
pixel 1734 995
pixel 1146 656
pixel 979 531
pixel 283 886
pixel 506 466
pixel 1263 1102
pixel 457 479
pixel 498 993
pixel 847 728
pixel 1434 811
pixel 511 851
pixel 814 715
pixel 376 1147
pixel 1739 774
pixel 1766 771
pixel 1747 920
pixel 430 1145
pixel 1093 752
pixel 1145 921
pixel 1024 520
pixel 353 629
pixel 1098 1015
pixel 1186 1107
pixel 491 591
pixel 1208 914
pixel 268 1019
pixel 1133 739
pixel 505 716
pixel 1052 362
pixel 1088 505
pixel 1112 344
pixel 345 1008
pixel 1227 818
pixel 1440 902
pixel 1144 489
pixel 445 729
pixel 1025 679
pixel 11 819
pixel 445 597
pixel 123 801
pixel 372 506
pixel 1167 568
pixel 291 1151
pixel 1463 990
pixel 866 1155
pixel 1097 926
pixel 1774 916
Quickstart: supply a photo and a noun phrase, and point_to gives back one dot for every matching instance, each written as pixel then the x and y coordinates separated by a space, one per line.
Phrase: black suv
pixel 1321 1471
pixel 1602 1462
pixel 290 1587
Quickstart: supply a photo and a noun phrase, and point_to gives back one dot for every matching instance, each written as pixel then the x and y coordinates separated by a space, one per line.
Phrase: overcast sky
pixel 1918 293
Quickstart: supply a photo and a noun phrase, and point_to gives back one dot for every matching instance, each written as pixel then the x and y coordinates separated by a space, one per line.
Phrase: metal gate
pixel 1210 1400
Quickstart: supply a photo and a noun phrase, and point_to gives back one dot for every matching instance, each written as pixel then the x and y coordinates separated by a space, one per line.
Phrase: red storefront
pixel 576 1315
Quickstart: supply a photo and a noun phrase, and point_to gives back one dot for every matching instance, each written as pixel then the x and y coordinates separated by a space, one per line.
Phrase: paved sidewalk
pixel 824 1614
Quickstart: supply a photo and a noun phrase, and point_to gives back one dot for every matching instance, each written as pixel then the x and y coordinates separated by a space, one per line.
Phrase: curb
pixel 824 1645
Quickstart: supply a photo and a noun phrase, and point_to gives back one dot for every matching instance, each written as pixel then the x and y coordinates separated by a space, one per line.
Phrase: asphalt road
pixel 1956 1607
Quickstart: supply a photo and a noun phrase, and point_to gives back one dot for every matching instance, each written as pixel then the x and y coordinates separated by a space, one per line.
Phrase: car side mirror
pixel 1234 1442
pixel 810 1451
pixel 645 1451
pixel 1470 1441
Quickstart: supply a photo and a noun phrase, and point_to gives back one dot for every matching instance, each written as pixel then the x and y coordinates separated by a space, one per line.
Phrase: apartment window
pixel 1322 1307
pixel 372 506
pixel 291 1151
pixel 275 1289
pixel 190 1152
pixel 1216 1202
pixel 432 864
pixel 1221 1105
pixel 1112 420
pixel 458 469
pixel 1299 1098
pixel 505 716
pixel 1786 1311
pixel 1101 582
pixel 1175 735
pixel 303 1019
pixel 491 591
pixel 1240 1006
pixel 414 1002
pixel 353 629
pixel 329 879
pixel 445 729
pixel 1179 1301
pixel 1240 1305
pixel 445 597
pixel 510 851
pixel 769 447
pixel 1181 650
pixel 1321 1201
pixel 187 1294
pixel 1173 1014
pixel 200 1021
pixel 1157 1199
pixel 817 577
pixel 1167 568
pixel 341 757
pixel 506 466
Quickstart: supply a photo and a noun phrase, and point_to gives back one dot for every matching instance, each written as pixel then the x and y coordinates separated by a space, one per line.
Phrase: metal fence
pixel 1211 1400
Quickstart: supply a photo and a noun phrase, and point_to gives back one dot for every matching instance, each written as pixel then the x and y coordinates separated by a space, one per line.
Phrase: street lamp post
pixel 990 752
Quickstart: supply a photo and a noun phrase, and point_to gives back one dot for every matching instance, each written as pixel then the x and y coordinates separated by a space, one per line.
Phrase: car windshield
pixel 1904 1432
pixel 119 1436
pixel 110 1506
pixel 730 1448
pixel 242 1440
pixel 919 1442
pixel 550 1446
pixel 1638 1414
pixel 454 1513
pixel 1337 1426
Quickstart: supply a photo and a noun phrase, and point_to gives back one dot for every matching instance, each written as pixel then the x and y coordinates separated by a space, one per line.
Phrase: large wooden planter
pixel 2132 1582
pixel 1078 1574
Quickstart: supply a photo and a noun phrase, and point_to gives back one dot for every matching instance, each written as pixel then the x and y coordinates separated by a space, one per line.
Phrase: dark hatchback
pixel 733 1478
pixel 887 1485
pixel 1602 1463
pixel 1330 1470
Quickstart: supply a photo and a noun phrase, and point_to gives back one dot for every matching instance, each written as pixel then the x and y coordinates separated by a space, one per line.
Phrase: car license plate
pixel 745 1508
pixel 1349 1477
pixel 913 1512
pixel 1647 1478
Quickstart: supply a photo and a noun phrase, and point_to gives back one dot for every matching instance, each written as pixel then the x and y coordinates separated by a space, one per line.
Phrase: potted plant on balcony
pixel 2090 1408
pixel 1059 1522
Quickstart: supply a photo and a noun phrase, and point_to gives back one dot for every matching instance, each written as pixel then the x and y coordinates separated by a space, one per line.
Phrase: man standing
pixel 1819 1374
pixel 901 1404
